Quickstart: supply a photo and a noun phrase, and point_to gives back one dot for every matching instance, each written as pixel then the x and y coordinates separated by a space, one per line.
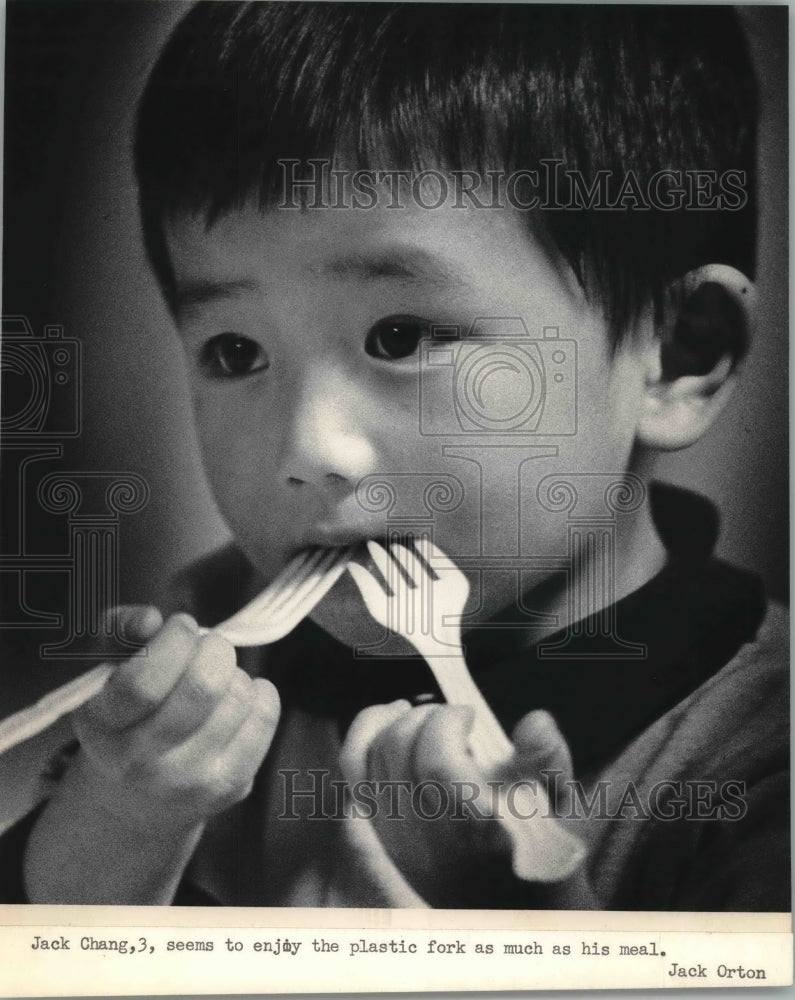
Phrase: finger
pixel 138 622
pixel 364 728
pixel 251 710
pixel 540 745
pixel 153 742
pixel 391 755
pixel 266 703
pixel 235 764
pixel 139 685
pixel 212 676
pixel 442 756
pixel 441 752
pixel 253 739
pixel 125 624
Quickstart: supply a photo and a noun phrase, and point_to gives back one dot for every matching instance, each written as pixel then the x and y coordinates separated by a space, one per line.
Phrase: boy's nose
pixel 326 446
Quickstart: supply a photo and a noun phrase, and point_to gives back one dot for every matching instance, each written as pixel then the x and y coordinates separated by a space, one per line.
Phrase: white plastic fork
pixel 425 604
pixel 301 585
pixel 272 615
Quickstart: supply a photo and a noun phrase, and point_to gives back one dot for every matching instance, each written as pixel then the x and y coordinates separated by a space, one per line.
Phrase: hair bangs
pixel 242 88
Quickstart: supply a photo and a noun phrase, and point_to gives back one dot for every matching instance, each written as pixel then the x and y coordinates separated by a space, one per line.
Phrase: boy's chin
pixel 343 615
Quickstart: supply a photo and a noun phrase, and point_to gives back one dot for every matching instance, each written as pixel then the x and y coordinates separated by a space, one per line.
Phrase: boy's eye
pixel 395 337
pixel 233 355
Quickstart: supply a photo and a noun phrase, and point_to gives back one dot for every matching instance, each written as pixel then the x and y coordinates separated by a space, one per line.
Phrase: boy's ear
pixel 691 364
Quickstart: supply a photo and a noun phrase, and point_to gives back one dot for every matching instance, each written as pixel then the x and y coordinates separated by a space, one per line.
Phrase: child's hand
pixel 178 735
pixel 445 843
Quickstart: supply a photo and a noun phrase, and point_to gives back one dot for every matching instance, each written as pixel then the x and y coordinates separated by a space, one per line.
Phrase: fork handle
pixel 46 711
pixel 488 739
pixel 550 857
pixel 34 719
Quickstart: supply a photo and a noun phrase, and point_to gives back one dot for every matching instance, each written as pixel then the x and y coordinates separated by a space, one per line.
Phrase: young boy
pixel 502 248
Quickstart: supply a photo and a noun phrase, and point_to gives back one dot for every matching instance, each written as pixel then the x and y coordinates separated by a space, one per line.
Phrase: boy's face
pixel 306 335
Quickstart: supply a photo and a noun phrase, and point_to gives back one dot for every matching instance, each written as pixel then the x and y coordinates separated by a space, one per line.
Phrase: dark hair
pixel 239 86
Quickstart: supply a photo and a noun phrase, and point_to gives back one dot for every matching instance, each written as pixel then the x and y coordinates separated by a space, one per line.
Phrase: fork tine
pixel 304 590
pixel 241 631
pixel 434 556
pixel 287 596
pixel 407 560
pixel 296 570
pixel 397 583
pixel 420 579
pixel 424 579
pixel 311 595
pixel 316 559
pixel 421 552
pixel 383 563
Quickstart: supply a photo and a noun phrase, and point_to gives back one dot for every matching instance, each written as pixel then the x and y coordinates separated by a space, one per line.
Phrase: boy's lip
pixel 354 541
pixel 335 536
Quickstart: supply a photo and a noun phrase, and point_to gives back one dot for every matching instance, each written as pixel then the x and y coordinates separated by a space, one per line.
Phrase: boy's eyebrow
pixel 197 293
pixel 411 264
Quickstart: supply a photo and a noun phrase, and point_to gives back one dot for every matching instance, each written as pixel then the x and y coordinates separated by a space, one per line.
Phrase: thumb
pixel 540 745
pixel 129 623
pixel 364 729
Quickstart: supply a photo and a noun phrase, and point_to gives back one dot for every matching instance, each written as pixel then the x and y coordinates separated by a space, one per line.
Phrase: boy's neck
pixel 601 577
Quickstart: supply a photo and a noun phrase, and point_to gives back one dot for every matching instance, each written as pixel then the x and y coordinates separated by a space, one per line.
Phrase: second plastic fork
pixel 425 610
pixel 425 603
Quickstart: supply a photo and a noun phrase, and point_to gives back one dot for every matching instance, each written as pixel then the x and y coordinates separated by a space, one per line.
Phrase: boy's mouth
pixel 342 611
pixel 357 543
pixel 343 602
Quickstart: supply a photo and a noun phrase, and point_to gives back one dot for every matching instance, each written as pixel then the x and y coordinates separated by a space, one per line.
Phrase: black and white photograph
pixel 395 493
